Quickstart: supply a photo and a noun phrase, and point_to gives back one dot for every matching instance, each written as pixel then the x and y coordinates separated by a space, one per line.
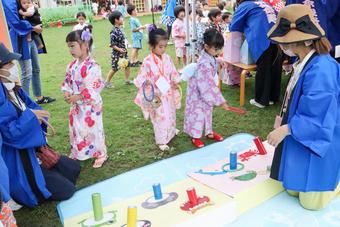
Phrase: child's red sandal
pixel 215 136
pixel 197 143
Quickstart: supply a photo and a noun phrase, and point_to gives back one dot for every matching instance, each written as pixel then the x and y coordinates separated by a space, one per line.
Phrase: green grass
pixel 129 138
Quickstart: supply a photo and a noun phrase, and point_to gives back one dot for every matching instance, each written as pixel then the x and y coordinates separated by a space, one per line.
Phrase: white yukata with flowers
pixel 163 118
pixel 202 95
pixel 86 130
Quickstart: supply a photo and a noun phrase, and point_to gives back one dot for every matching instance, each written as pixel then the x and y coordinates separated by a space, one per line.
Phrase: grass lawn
pixel 129 137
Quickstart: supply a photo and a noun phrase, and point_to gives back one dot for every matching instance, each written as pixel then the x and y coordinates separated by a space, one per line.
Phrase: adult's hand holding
pixel 41 114
pixel 38 29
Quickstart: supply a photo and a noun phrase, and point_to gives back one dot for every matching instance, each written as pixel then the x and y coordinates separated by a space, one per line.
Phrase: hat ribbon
pixel 303 24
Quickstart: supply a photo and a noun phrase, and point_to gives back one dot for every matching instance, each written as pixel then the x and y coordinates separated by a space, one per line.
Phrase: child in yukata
pixel 178 36
pixel 119 50
pixel 200 29
pixel 215 17
pixel 203 93
pixel 159 94
pixel 81 87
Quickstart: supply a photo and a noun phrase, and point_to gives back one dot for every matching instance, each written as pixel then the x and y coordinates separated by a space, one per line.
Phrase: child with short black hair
pixel 159 95
pixel 81 18
pixel 137 35
pixel 81 87
pixel 30 12
pixel 119 50
pixel 226 19
pixel 203 93
pixel 215 17
pixel 178 35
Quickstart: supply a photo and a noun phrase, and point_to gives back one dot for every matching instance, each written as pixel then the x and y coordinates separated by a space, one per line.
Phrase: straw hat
pixel 295 23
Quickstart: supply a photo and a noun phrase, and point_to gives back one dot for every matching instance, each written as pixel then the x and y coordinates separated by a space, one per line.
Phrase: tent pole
pixel 187 35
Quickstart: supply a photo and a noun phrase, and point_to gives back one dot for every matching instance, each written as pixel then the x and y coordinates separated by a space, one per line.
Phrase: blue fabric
pixel 121 9
pixel 255 20
pixel 169 8
pixel 21 132
pixel 4 179
pixel 18 29
pixel 328 14
pixel 311 156
pixel 134 24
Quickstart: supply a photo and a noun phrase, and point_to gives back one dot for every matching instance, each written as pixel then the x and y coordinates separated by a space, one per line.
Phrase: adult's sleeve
pixel 313 123
pixel 239 20
pixel 21 27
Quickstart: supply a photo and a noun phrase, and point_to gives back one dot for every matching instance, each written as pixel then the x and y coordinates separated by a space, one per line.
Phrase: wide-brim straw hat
pixel 295 23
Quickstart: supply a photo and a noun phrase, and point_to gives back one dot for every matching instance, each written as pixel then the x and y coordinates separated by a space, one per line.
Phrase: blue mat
pixel 282 210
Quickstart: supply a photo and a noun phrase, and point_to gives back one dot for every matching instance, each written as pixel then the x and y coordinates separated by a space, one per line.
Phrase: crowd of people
pixel 307 128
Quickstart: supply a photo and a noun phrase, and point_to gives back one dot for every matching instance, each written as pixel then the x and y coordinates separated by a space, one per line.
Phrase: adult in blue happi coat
pixel 307 155
pixel 23 44
pixel 22 130
pixel 254 19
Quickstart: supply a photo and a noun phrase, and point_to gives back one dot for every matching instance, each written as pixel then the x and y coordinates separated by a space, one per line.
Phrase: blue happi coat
pixel 18 29
pixel 310 158
pixel 21 131
pixel 4 179
pixel 328 15
pixel 254 19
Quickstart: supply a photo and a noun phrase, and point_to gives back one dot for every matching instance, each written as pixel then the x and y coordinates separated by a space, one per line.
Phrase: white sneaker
pixel 254 103
pixel 271 103
pixel 164 147
pixel 13 205
pixel 108 85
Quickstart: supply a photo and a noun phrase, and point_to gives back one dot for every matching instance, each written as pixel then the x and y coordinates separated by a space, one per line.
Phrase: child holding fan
pixel 119 50
pixel 203 93
pixel 159 95
pixel 82 86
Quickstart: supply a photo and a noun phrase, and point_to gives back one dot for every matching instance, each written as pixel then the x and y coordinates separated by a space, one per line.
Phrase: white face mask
pixel 289 53
pixel 9 86
pixel 13 74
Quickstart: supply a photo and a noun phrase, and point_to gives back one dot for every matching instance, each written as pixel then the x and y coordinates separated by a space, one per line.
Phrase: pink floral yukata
pixel 202 95
pixel 178 29
pixel 86 124
pixel 163 118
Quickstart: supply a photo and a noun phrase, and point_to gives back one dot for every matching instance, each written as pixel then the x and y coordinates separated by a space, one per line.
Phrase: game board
pixel 261 205
pixel 252 169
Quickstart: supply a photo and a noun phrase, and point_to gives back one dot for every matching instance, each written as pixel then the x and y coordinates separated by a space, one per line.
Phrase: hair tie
pixel 86 35
pixel 151 27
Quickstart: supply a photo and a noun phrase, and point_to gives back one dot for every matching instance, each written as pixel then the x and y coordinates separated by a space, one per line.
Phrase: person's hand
pixel 38 29
pixel 276 136
pixel 122 50
pixel 66 95
pixel 223 64
pixel 73 98
pixel 233 109
pixel 41 115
